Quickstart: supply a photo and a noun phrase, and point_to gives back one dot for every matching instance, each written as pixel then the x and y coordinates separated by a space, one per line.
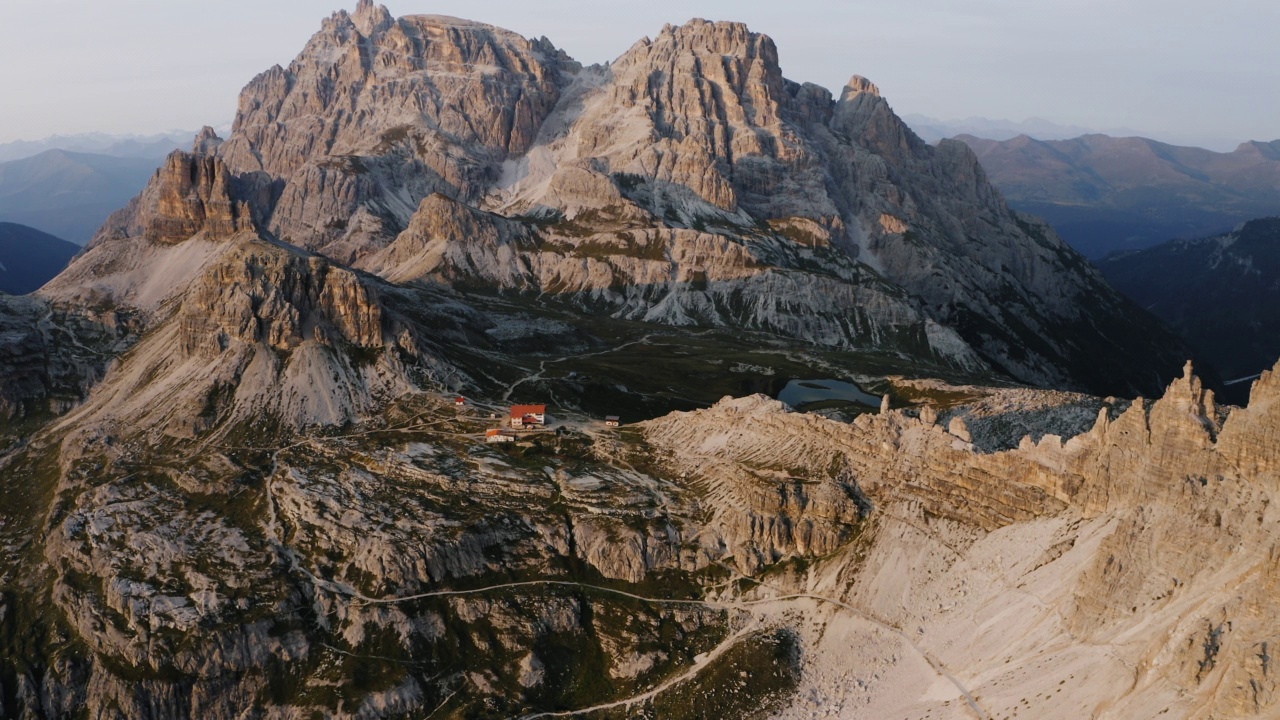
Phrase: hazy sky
pixel 1177 70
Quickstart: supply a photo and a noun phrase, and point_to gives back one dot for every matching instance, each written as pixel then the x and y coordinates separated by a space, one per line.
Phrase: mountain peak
pixel 859 85
pixel 1263 150
pixel 370 17
pixel 206 141
pixel 703 26
pixel 194 194
pixel 719 37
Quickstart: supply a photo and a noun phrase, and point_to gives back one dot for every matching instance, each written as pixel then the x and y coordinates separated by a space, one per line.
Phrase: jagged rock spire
pixel 370 17
pixel 858 85
pixel 206 142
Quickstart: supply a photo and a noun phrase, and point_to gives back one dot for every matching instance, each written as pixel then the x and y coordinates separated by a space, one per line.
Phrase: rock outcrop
pixel 268 331
pixel 192 194
pixel 376 113
pixel 1180 467
pixel 280 299
pixel 674 276
pixel 206 142
pixel 149 251
pixel 50 358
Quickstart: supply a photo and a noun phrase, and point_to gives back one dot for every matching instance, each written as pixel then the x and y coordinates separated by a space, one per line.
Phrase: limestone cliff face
pixel 695 129
pixel 279 299
pixel 762 508
pixel 1244 435
pixel 676 276
pixel 192 194
pixel 367 73
pixel 188 195
pixel 377 113
pixel 712 97
pixel 701 128
pixel 148 251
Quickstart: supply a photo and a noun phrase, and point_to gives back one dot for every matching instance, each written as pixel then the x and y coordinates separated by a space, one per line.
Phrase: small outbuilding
pixel 460 401
pixel 612 421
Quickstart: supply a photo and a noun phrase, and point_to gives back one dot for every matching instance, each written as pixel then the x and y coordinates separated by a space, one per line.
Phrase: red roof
pixel 519 411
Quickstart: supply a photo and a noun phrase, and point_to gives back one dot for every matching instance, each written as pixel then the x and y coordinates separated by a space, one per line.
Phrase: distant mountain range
pixel 1222 293
pixel 69 194
pixel 932 129
pixel 1105 194
pixel 133 146
pixel 29 258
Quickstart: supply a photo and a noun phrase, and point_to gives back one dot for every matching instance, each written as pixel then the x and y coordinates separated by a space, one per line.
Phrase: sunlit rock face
pixel 649 177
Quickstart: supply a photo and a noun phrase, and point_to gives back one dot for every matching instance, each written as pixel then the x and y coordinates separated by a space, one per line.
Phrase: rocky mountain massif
pixel 686 183
pixel 1222 293
pixel 1107 194
pixel 234 481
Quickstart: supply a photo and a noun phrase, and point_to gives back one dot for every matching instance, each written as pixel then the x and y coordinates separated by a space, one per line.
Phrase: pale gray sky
pixel 1186 71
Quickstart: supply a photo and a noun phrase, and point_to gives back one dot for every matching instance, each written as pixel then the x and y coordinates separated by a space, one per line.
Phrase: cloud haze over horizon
pixel 1175 70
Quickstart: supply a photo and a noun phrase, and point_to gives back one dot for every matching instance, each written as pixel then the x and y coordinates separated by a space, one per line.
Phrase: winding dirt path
pixel 744 605
pixel 542 366
pixel 274 531
pixel 702 662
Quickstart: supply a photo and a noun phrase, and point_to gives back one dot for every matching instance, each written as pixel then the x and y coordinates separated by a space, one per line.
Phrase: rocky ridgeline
pixel 1179 491
pixel 149 251
pixel 268 332
pixel 239 325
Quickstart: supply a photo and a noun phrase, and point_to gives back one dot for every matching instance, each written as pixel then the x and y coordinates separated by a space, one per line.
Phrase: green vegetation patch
pixel 751 680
